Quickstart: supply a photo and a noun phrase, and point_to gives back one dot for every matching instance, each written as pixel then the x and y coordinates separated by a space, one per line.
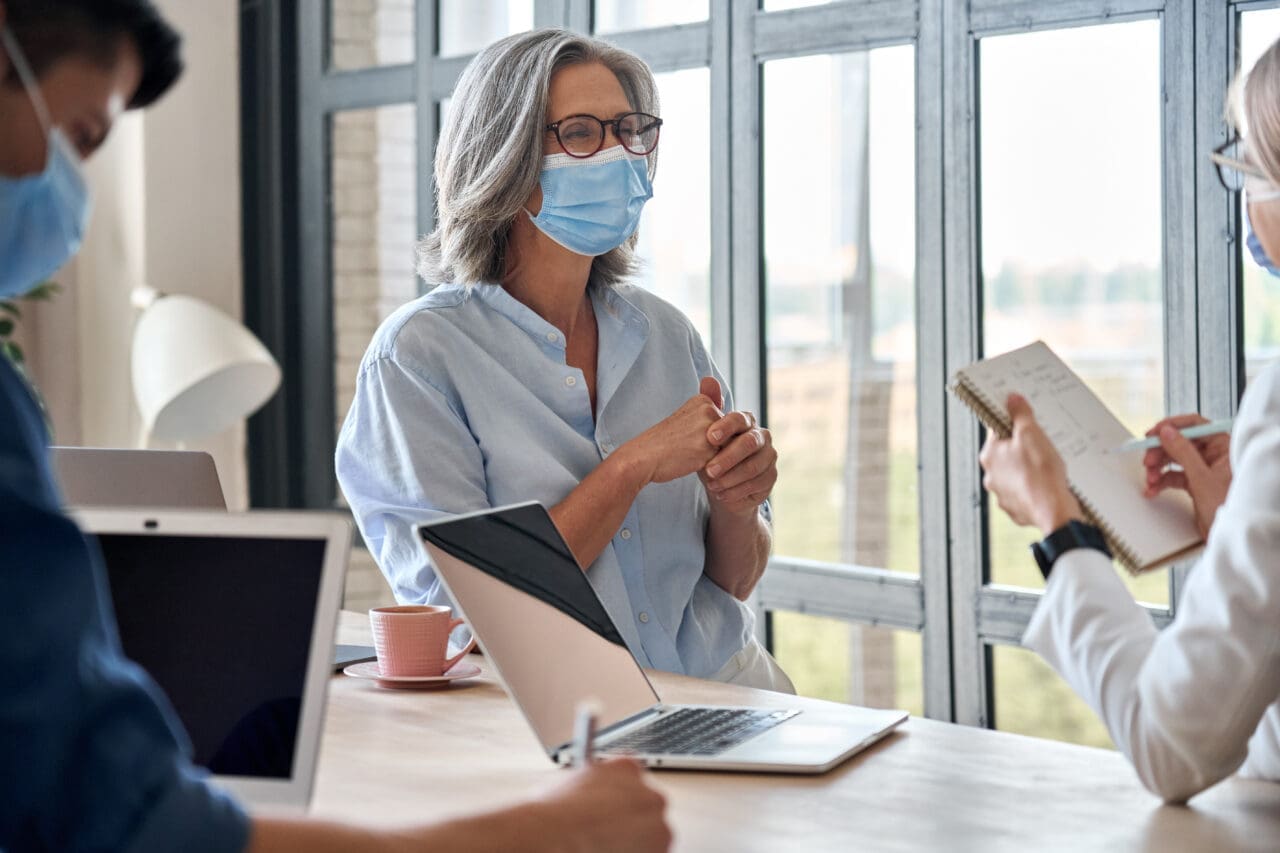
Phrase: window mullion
pixel 962 331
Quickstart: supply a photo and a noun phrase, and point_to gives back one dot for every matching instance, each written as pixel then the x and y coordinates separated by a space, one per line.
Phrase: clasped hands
pixel 1029 479
pixel 732 455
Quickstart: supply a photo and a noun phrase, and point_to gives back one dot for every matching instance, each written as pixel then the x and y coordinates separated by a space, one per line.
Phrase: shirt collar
pixel 532 324
pixel 528 320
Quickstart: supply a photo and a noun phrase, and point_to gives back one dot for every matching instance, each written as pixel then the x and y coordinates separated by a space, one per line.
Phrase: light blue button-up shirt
pixel 466 401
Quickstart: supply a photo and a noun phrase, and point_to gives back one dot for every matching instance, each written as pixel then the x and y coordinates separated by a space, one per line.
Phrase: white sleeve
pixel 1183 704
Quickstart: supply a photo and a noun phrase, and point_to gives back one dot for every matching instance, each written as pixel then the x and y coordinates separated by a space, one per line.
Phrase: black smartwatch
pixel 1072 535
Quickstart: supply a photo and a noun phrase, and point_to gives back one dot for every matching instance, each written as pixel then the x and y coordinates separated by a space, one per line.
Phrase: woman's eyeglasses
pixel 583 135
pixel 1233 166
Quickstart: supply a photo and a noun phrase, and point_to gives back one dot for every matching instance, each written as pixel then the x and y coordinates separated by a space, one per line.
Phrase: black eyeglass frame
pixel 1224 161
pixel 654 123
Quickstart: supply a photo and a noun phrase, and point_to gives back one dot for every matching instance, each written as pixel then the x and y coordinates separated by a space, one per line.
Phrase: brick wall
pixel 374 219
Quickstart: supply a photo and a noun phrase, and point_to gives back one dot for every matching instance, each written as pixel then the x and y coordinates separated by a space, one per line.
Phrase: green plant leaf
pixel 6 327
pixel 43 292
pixel 14 352
pixel 11 309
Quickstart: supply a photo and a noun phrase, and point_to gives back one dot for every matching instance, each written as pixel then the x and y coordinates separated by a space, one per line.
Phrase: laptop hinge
pixel 562 754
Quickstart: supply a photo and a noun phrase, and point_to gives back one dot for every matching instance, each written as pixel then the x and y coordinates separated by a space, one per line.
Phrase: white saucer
pixel 369 669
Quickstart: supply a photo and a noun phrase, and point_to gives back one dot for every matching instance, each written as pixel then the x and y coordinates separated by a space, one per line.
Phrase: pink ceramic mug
pixel 412 639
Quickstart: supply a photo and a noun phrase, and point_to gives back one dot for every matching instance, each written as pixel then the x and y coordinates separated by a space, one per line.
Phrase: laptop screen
pixel 538 618
pixel 223 624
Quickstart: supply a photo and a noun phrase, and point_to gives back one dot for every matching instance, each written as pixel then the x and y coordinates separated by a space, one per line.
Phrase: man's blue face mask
pixel 592 205
pixel 42 216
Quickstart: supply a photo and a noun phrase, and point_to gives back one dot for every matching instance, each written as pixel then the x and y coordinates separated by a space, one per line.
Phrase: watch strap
pixel 1074 534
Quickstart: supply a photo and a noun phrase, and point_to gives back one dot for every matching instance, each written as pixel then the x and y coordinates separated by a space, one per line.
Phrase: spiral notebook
pixel 1143 533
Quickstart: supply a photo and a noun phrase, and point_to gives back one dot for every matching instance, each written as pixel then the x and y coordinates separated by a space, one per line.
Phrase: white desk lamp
pixel 196 371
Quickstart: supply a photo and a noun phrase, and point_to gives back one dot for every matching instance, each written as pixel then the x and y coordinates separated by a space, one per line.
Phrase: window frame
pixel 289 93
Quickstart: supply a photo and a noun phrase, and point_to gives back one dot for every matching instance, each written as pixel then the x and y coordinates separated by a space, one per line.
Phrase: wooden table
pixel 391 757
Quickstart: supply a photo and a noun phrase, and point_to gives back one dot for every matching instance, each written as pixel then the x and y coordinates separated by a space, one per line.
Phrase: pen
pixel 584 733
pixel 1197 431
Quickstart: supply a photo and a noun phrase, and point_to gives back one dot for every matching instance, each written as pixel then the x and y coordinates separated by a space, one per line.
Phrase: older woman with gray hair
pixel 533 371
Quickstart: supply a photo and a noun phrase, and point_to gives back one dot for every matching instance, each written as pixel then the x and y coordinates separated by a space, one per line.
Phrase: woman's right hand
pixel 1205 464
pixel 609 806
pixel 677 445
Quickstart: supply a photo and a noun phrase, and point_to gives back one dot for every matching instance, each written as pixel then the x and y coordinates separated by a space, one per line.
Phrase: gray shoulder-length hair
pixel 489 156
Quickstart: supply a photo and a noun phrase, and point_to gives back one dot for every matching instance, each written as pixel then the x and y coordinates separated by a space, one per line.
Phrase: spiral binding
pixel 989 414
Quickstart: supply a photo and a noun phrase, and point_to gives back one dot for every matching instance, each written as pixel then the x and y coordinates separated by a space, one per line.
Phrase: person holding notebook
pixel 91 756
pixel 1201 700
pixel 534 371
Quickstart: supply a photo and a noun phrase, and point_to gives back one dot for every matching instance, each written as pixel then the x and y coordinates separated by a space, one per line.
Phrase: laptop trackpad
pixel 815 736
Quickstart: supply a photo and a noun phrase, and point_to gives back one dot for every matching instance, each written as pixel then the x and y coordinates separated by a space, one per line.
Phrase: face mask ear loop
pixel 28 78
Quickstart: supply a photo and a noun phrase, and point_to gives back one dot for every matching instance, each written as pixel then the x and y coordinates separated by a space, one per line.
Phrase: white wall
pixel 166 213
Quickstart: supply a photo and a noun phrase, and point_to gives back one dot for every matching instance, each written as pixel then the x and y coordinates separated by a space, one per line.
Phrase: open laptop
pixel 107 477
pixel 554 646
pixel 233 615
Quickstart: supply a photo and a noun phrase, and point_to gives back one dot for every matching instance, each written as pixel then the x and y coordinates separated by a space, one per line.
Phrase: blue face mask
pixel 592 205
pixel 1255 247
pixel 42 216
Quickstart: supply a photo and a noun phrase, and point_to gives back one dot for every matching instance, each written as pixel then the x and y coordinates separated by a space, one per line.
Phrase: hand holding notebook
pixel 1142 532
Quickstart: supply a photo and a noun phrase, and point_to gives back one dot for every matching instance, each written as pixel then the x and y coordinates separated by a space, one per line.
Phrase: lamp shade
pixel 196 371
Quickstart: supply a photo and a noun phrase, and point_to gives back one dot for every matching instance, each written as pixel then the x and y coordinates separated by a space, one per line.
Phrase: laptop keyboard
pixel 698 731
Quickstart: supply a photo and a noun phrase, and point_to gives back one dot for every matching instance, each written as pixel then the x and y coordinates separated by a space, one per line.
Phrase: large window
pixel 840 335
pixel 853 200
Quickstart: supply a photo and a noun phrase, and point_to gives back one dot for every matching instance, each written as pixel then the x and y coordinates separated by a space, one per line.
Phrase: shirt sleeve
pixel 1182 703
pixel 405 456
pixel 91 755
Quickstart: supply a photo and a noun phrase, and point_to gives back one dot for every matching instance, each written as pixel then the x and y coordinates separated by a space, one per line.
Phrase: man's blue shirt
pixel 91 755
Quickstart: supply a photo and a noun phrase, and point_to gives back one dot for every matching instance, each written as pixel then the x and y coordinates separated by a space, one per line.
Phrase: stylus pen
pixel 1197 431
pixel 584 733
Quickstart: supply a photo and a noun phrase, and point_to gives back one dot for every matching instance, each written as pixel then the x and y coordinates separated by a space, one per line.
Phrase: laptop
pixel 106 477
pixel 233 615
pixel 554 646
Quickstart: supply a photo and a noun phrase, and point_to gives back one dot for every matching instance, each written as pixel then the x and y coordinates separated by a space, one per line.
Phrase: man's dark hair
pixel 51 30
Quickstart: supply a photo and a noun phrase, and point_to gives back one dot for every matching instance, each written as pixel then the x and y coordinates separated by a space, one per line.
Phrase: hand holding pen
pixel 584 732
pixel 1203 464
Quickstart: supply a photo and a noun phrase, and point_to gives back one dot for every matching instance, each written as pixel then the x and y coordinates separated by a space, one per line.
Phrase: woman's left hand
pixel 741 475
pixel 1026 474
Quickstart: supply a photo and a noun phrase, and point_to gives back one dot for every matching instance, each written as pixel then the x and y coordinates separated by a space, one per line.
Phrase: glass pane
pixel 613 16
pixel 374 226
pixel 780 5
pixel 468 25
pixel 842 662
pixel 1031 699
pixel 1258 29
pixel 675 229
pixel 839 244
pixel 1071 224
pixel 365 33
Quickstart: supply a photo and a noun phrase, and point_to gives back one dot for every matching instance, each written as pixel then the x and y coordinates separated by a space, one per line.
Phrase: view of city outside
pixel 1071 254
pixel 1258 29
pixel 839 261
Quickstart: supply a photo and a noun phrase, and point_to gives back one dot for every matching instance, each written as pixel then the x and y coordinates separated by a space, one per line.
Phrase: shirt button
pixel 553 337
pixel 626 533
pixel 644 617
pixel 571 381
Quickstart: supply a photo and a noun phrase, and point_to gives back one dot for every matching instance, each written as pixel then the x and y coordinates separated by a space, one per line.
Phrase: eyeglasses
pixel 1232 165
pixel 583 135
